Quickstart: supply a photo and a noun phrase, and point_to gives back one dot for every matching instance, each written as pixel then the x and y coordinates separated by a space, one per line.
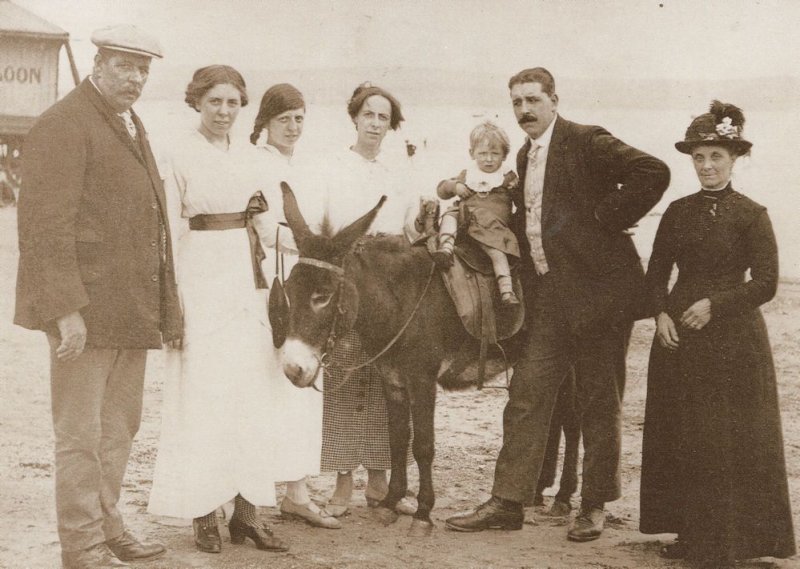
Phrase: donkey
pixel 375 285
pixel 389 293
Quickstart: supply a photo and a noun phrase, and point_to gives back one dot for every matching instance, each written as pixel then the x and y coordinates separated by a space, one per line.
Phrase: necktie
pixel 533 189
pixel 126 118
pixel 533 155
pixel 534 186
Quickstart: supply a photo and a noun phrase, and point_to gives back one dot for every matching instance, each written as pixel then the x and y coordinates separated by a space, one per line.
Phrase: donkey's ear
pixel 359 227
pixel 293 216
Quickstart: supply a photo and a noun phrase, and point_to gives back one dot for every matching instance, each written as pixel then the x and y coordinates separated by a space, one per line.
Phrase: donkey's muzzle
pixel 301 364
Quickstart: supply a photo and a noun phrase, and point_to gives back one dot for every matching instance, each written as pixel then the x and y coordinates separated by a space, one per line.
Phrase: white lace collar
pixel 482 182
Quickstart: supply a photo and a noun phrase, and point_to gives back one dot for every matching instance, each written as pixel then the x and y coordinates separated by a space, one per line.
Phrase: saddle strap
pixel 488 329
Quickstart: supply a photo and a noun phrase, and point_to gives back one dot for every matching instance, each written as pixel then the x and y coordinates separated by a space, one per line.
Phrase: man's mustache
pixel 527 118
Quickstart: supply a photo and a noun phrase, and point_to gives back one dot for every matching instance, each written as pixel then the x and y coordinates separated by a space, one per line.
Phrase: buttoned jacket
pixel 595 188
pixel 90 220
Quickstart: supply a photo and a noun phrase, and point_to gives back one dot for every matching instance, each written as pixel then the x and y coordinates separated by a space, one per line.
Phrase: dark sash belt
pixel 238 220
pixel 218 221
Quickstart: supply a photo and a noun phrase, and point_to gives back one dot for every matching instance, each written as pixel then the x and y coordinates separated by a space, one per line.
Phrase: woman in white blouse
pixel 355 430
pixel 281 118
pixel 218 437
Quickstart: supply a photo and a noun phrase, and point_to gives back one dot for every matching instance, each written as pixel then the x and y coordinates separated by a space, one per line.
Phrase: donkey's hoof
pixel 384 515
pixel 420 528
pixel 559 509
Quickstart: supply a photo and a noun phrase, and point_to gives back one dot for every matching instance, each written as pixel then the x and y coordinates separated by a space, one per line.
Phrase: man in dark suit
pixel 96 274
pixel 580 191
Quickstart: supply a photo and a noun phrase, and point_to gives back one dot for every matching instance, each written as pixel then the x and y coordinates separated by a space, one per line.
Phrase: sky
pixel 659 55
pixel 688 39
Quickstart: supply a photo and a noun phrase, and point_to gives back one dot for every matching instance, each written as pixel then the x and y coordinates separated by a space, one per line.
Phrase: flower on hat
pixel 722 124
pixel 727 129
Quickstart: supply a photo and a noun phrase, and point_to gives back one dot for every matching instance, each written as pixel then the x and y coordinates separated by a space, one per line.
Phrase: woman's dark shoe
pixel 261 535
pixel 206 536
pixel 674 550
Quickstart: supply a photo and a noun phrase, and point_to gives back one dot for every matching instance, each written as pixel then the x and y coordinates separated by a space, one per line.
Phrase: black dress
pixel 713 468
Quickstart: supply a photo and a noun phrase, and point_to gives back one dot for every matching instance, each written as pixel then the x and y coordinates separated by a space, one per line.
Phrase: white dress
pixel 299 411
pixel 223 420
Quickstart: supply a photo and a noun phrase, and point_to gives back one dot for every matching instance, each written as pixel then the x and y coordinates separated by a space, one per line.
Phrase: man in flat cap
pixel 96 275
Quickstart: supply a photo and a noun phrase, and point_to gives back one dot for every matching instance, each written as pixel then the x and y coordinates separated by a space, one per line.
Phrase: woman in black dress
pixel 713 469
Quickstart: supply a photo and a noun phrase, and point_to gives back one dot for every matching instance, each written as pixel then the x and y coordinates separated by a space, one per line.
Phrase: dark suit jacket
pixel 595 186
pixel 90 216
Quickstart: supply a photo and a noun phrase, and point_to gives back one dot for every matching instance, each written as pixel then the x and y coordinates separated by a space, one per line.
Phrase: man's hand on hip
pixel 73 336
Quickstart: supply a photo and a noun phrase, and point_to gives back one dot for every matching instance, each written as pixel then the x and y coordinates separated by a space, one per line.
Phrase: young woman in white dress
pixel 219 425
pixel 280 120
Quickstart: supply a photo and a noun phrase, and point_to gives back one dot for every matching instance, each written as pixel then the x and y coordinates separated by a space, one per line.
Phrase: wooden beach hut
pixel 29 57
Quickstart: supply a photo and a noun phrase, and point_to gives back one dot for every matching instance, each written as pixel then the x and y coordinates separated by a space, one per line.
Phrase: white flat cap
pixel 124 37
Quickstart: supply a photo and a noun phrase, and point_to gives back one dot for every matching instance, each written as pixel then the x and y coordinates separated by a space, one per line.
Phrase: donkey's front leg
pixel 397 408
pixel 423 402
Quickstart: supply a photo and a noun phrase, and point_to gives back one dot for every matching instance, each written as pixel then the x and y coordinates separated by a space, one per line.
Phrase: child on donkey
pixel 484 206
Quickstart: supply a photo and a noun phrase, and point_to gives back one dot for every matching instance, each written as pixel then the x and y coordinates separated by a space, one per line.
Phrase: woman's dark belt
pixel 239 220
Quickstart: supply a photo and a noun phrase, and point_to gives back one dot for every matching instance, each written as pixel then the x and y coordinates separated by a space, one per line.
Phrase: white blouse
pixel 353 185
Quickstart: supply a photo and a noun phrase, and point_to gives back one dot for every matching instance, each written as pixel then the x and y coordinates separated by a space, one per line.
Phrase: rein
pixel 323 361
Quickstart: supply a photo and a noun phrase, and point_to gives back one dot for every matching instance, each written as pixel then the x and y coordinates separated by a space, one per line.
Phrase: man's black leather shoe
pixel 96 557
pixel 127 548
pixel 588 524
pixel 493 514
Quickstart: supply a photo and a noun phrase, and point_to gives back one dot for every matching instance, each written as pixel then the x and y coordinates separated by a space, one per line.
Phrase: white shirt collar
pixel 544 139
pixel 376 158
pixel 277 153
pixel 123 114
pixel 376 162
pixel 91 80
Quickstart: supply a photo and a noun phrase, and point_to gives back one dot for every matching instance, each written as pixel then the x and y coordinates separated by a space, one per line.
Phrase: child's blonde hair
pixel 487 130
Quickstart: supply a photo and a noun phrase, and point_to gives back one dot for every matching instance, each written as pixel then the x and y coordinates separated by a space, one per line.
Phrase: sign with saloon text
pixel 28 75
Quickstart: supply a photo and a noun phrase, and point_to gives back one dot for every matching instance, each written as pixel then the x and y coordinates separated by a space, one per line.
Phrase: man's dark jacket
pixel 90 216
pixel 595 187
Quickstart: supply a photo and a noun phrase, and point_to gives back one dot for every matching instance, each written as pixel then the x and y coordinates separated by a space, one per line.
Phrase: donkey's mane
pixel 392 252
pixel 326 227
pixel 322 245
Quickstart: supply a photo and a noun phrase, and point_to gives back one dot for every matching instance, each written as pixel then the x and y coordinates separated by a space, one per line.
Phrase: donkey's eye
pixel 320 300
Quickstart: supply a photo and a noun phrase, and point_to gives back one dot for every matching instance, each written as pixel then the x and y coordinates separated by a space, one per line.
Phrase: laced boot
pixel 507 295
pixel 443 256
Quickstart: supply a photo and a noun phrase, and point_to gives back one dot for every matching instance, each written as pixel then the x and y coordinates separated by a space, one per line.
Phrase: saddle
pixel 472 286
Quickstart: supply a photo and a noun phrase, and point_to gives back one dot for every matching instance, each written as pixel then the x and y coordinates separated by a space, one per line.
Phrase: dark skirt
pixel 713 467
pixel 354 420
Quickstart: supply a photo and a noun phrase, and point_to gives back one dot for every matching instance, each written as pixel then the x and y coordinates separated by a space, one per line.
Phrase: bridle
pixel 324 360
